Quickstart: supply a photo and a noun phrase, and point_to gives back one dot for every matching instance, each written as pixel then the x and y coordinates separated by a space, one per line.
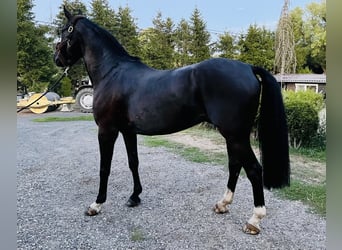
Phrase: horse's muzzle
pixel 59 60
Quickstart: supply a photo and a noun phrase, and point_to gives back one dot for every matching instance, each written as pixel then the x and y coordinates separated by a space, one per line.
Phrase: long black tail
pixel 273 134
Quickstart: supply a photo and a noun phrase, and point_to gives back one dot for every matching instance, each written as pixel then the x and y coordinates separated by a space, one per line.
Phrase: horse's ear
pixel 67 14
pixel 80 12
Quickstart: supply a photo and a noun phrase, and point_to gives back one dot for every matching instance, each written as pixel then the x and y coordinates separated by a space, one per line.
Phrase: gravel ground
pixel 57 179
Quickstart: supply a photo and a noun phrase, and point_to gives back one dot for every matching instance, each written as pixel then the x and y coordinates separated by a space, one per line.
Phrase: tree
pixel 302 49
pixel 226 46
pixel 182 43
pixel 74 6
pixel 257 47
pixel 285 56
pixel 199 48
pixel 158 47
pixel 35 66
pixel 103 15
pixel 309 29
pixel 316 35
pixel 126 31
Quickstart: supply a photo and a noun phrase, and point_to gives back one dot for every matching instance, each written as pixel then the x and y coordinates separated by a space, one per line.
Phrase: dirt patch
pixel 196 141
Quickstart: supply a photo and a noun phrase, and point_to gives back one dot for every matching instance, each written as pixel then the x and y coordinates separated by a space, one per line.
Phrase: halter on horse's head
pixel 68 50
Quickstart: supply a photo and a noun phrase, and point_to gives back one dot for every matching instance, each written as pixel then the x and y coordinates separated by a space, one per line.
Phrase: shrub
pixel 65 88
pixel 302 117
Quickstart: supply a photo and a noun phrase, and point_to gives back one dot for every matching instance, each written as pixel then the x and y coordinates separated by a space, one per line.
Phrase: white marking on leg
pixel 258 214
pixel 96 207
pixel 222 205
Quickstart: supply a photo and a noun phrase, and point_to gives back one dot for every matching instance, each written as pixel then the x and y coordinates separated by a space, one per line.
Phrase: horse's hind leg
pixel 254 173
pixel 106 143
pixel 133 162
pixel 241 154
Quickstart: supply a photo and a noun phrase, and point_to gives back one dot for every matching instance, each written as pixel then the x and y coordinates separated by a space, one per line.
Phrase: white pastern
pixel 222 205
pixel 96 207
pixel 258 214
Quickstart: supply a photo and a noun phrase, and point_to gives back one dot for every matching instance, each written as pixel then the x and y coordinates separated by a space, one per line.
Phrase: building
pixel 298 82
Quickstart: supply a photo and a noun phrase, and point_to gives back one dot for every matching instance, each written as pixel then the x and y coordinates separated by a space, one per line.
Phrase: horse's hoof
pixel 133 203
pixel 220 209
pixel 94 209
pixel 91 212
pixel 250 229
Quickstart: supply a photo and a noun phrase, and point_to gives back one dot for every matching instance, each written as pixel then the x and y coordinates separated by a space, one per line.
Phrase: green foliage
pixel 158 47
pixel 35 66
pixel 65 119
pixel 103 15
pixel 257 47
pixel 309 96
pixel 66 87
pixel 226 46
pixel 309 29
pixel 126 31
pixel 183 40
pixel 168 46
pixel 190 153
pixel 302 116
pixel 199 48
pixel 311 194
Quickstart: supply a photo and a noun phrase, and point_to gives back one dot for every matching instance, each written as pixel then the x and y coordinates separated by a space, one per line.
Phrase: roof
pixel 301 78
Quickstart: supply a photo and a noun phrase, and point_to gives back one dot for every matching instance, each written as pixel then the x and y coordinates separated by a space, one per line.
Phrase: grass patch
pixel 189 153
pixel 65 119
pixel 310 153
pixel 137 235
pixel 312 195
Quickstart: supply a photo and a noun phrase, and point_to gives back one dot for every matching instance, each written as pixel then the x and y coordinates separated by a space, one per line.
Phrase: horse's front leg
pixel 106 143
pixel 130 139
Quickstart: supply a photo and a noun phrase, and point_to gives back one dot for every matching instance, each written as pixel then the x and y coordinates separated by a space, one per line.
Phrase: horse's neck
pixel 100 61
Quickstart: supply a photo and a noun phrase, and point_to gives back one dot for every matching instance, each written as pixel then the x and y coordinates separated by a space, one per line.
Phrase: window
pixel 303 87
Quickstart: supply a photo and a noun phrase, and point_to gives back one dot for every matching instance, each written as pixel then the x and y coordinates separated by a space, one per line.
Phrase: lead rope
pixel 49 89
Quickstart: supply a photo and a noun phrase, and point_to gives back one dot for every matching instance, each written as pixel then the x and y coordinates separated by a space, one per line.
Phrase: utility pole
pixel 285 55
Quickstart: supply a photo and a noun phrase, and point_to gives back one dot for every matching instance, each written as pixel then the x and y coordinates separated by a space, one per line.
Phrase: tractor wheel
pixel 84 99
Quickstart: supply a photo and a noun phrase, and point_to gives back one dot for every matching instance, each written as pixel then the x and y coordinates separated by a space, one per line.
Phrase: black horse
pixel 132 98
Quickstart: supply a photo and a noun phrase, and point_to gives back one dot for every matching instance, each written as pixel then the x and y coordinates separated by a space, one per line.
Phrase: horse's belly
pixel 159 123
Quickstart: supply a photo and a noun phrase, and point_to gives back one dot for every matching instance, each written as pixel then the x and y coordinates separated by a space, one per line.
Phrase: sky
pixel 220 15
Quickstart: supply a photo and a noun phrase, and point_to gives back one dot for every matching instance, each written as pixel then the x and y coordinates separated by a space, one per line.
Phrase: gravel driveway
pixel 57 178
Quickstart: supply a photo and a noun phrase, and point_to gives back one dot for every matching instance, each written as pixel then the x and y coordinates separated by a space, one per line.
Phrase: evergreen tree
pixel 226 46
pixel 182 43
pixel 35 66
pixel 103 15
pixel 158 43
pixel 257 47
pixel 199 48
pixel 126 31
pixel 149 52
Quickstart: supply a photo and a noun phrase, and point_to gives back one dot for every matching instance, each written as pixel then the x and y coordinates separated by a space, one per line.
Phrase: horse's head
pixel 68 50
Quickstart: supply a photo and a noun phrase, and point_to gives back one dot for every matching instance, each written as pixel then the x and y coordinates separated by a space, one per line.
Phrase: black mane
pixel 107 38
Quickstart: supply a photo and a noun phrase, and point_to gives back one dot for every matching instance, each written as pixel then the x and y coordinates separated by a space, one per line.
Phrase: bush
pixel 302 117
pixel 65 88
